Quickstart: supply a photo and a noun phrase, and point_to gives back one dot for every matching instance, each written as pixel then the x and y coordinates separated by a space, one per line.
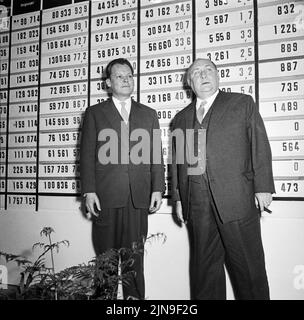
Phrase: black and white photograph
pixel 152 150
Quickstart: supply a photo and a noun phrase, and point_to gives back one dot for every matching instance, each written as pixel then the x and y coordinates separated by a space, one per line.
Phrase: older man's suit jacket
pixel 113 182
pixel 239 162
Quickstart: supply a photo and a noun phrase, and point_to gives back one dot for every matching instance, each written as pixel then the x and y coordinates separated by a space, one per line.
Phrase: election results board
pixel 53 54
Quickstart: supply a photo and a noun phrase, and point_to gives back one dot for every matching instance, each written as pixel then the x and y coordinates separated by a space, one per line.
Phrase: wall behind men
pixel 52 56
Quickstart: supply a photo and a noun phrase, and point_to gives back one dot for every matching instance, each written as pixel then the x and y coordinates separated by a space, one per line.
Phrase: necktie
pixel 124 113
pixel 201 111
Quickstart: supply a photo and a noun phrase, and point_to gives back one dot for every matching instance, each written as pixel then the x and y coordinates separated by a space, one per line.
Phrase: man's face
pixel 203 78
pixel 121 81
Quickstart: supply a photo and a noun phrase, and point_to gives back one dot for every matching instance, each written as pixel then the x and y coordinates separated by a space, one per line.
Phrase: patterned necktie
pixel 201 111
pixel 123 111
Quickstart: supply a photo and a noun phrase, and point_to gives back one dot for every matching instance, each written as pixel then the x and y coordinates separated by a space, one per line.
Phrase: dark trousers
pixel 236 244
pixel 121 228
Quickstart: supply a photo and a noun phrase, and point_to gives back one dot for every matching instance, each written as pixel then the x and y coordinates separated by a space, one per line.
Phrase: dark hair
pixel 110 65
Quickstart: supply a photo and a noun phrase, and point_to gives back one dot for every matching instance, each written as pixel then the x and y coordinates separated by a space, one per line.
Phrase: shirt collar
pixel 118 105
pixel 209 101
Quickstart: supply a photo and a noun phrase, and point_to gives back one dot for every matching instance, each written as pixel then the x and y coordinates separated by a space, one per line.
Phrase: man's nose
pixel 125 78
pixel 203 74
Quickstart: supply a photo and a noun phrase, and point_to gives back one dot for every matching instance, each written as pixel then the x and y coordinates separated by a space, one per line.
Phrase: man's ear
pixel 188 81
pixel 108 83
pixel 218 76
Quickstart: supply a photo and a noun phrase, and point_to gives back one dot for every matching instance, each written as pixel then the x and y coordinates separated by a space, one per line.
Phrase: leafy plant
pixel 35 274
pixel 98 279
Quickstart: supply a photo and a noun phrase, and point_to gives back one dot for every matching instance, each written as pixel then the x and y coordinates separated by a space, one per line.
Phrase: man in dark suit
pixel 221 196
pixel 121 185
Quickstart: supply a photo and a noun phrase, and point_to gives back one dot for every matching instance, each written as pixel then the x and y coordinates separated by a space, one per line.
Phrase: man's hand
pixel 156 201
pixel 179 211
pixel 90 200
pixel 263 200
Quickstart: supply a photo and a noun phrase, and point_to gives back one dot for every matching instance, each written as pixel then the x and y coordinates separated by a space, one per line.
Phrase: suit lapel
pixel 112 115
pixel 219 107
pixel 189 117
pixel 114 118
pixel 135 119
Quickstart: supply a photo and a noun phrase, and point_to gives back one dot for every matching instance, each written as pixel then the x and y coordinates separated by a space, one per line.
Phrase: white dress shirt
pixel 209 101
pixel 118 105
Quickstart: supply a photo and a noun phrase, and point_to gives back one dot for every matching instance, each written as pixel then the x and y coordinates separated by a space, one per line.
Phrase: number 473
pixel 290 187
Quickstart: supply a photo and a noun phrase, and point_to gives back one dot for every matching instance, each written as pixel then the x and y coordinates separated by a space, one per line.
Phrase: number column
pixel 166 52
pixel 114 35
pixel 63 97
pixel 23 107
pixel 225 35
pixel 281 78
pixel 4 66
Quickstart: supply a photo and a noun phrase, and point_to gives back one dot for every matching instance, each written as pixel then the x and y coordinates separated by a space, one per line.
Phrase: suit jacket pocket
pixel 195 178
pixel 249 175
